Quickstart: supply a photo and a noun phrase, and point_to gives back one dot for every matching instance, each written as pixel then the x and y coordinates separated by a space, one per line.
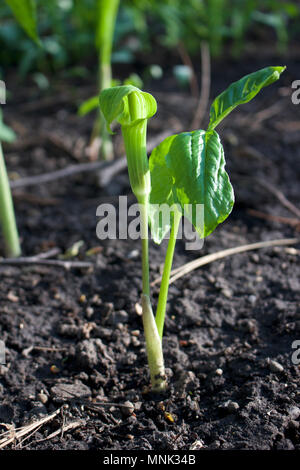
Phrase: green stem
pixel 139 175
pixel 107 14
pixel 143 203
pixel 163 293
pixel 153 347
pixel 7 215
pixel 153 341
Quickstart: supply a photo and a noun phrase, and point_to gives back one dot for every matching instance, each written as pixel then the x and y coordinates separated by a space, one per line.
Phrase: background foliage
pixel 67 30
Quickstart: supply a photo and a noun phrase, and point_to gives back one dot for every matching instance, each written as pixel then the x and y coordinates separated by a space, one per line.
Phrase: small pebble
pixel 227 293
pixel 294 412
pixel 12 297
pixel 118 317
pixel 138 405
pixel 219 372
pixel 135 333
pixel 252 299
pixel 42 397
pixel 133 254
pixel 82 298
pixel 197 445
pixel 127 409
pixel 89 312
pixel 135 342
pixel 275 366
pixel 138 309
pixel 255 258
pixel 231 406
pixel 96 300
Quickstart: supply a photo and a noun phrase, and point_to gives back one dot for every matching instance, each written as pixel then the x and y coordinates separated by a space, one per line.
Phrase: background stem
pixel 7 215
pixel 164 287
pixel 107 14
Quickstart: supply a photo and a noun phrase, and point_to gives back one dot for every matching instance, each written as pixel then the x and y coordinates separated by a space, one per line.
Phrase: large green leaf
pixel 127 105
pixel 241 92
pixel 25 13
pixel 197 164
pixel 6 133
pixel 161 190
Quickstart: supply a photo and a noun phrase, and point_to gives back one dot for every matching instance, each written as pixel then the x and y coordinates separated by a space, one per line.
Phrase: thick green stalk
pixel 143 203
pixel 7 215
pixel 107 14
pixel 163 293
pixel 153 347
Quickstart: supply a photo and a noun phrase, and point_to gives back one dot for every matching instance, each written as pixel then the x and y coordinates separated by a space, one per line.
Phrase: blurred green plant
pixel 25 13
pixel 7 213
pixel 80 32
pixel 215 21
pixel 106 19
pixel 139 25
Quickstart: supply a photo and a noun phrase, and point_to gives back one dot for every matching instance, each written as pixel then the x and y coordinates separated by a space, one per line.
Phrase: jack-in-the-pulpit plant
pixel 185 170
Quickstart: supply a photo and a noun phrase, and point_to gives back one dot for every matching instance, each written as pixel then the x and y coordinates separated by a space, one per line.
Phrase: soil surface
pixel 74 338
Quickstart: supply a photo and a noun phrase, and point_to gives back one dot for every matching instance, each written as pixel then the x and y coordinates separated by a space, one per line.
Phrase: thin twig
pixel 188 63
pixel 266 113
pixel 48 254
pixel 36 200
pixel 70 170
pixel 275 218
pixel 257 118
pixel 64 428
pixel 15 435
pixel 93 404
pixel 205 86
pixel 280 196
pixel 108 169
pixel 28 436
pixel 36 260
pixel 192 265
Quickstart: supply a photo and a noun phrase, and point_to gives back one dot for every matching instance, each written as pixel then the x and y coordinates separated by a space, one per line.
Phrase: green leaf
pixel 161 190
pixel 25 13
pixel 197 164
pixel 241 92
pixel 6 133
pixel 127 105
pixel 134 79
pixel 88 105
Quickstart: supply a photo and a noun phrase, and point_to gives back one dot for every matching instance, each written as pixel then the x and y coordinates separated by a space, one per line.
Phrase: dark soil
pixel 75 338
